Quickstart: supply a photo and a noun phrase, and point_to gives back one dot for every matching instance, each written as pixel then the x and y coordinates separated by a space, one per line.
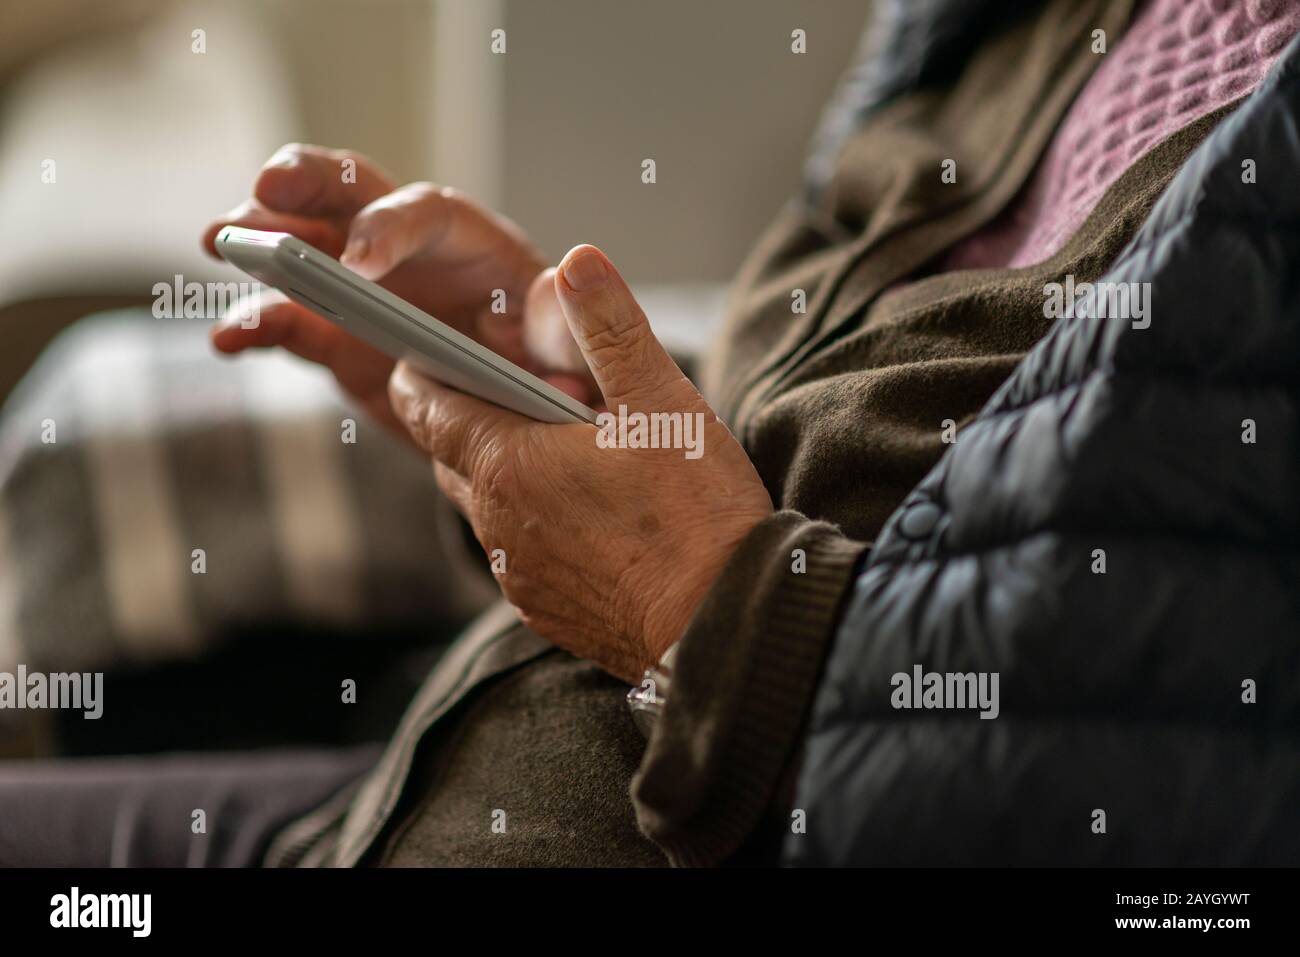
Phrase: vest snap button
pixel 919 520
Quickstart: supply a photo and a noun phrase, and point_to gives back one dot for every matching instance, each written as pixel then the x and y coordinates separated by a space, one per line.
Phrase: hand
pixel 607 551
pixel 432 246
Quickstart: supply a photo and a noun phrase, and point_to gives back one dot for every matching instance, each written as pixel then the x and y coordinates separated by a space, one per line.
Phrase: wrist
pixel 671 614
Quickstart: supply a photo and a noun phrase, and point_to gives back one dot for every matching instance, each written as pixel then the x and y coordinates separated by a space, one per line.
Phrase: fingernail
pixel 243 320
pixel 585 271
pixel 355 251
pixel 406 379
pixel 282 160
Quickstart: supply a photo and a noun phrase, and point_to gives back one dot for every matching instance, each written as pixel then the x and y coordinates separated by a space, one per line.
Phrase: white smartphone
pixel 394 326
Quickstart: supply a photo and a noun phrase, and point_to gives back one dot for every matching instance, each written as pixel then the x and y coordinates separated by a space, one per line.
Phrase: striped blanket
pixel 154 498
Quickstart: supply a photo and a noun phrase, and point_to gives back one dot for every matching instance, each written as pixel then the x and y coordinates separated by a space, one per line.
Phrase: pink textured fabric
pixel 1179 60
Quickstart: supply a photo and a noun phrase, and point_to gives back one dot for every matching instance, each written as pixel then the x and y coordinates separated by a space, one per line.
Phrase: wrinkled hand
pixel 607 551
pixel 430 245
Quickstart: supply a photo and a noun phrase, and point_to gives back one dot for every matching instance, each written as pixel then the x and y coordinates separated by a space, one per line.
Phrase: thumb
pixel 629 364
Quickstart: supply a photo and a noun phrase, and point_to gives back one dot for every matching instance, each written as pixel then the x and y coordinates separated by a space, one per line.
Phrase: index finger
pixel 324 234
pixel 315 181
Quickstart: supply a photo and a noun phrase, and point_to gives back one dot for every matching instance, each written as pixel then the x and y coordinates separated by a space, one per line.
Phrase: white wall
pixel 707 88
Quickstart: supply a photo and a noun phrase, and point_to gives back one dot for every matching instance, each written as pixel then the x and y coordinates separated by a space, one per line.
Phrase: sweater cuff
pixel 742 686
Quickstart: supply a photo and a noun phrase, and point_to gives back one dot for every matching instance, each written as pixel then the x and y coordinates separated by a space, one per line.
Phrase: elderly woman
pixel 836 533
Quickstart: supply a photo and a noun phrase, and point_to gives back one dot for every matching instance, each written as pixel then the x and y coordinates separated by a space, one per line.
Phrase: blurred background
pixel 127 125
pixel 150 139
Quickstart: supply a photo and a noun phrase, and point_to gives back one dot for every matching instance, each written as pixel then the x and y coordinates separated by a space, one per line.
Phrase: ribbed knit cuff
pixel 742 686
